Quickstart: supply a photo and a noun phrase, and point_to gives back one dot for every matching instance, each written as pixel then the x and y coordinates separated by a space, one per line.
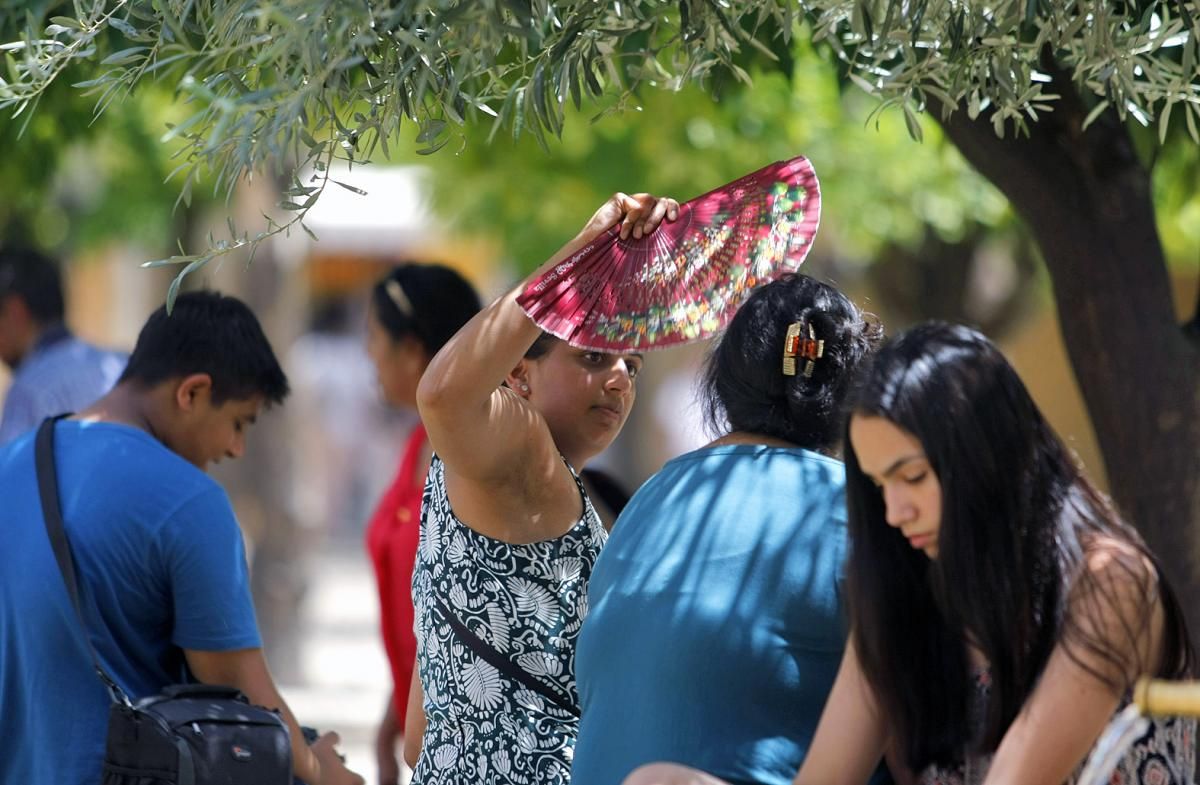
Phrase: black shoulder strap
pixel 502 663
pixel 47 476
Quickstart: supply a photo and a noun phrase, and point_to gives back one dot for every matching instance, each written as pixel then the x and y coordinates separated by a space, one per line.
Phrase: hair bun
pixel 747 387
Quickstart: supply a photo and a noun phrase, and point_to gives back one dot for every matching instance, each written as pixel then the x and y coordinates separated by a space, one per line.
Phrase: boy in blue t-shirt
pixel 159 557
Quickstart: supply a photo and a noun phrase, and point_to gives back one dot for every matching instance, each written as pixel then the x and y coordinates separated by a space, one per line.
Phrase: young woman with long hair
pixel 1001 608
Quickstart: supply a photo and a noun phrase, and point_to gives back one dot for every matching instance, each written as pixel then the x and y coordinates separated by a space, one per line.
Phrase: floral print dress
pixel 525 601
pixel 1165 755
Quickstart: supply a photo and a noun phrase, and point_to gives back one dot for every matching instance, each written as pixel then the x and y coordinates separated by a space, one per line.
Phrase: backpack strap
pixel 502 663
pixel 47 477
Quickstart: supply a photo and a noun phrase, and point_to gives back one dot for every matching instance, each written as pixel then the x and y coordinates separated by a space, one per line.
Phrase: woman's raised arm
pixel 474 424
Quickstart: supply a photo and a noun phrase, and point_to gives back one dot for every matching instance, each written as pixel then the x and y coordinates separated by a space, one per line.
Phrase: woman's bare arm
pixel 478 428
pixel 670 774
pixel 852 734
pixel 1071 704
pixel 414 721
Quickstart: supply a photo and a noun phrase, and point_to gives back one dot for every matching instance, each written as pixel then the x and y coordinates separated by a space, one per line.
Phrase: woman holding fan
pixel 508 536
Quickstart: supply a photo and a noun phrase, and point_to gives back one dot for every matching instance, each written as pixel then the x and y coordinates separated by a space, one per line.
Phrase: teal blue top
pixel 715 626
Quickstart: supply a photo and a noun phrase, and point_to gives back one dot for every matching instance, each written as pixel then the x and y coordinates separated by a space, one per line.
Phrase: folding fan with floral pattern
pixel 683 281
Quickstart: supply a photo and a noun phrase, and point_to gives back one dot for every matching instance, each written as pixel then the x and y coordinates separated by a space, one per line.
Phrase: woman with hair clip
pixel 413 311
pixel 1001 609
pixel 716 625
pixel 508 535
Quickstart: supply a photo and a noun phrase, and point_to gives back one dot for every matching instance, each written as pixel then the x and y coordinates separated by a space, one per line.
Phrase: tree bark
pixel 1087 200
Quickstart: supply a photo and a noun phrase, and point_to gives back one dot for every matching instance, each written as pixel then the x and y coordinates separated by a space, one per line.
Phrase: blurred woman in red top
pixel 414 310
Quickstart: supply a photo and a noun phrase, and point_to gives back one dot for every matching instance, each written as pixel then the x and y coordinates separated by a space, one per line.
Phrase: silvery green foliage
pixel 1139 58
pixel 293 84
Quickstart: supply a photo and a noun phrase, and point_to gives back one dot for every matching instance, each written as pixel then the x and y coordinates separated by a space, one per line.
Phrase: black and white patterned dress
pixel 527 602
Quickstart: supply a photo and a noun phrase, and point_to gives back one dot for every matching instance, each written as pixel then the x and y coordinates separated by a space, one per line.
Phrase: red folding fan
pixel 683 281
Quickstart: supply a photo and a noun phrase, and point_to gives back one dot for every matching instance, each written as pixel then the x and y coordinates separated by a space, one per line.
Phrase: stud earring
pixel 524 388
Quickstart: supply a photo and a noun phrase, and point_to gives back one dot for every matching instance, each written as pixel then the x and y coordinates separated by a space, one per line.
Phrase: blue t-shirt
pixel 715 627
pixel 161 567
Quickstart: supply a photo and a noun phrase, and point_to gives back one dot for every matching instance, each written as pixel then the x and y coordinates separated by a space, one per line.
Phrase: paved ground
pixel 344 674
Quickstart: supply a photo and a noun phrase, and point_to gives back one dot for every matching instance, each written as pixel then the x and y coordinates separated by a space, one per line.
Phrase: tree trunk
pixel 1087 200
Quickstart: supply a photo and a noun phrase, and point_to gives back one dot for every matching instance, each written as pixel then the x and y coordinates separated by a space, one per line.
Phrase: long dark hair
pixel 1017 521
pixel 744 385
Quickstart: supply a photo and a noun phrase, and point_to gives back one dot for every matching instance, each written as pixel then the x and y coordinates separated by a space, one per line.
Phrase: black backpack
pixel 190 734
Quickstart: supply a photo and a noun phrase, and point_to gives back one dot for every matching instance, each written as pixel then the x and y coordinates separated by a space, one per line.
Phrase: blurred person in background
pixel 53 371
pixel 413 311
pixel 349 436
pixel 509 535
pixel 716 621
pixel 342 447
